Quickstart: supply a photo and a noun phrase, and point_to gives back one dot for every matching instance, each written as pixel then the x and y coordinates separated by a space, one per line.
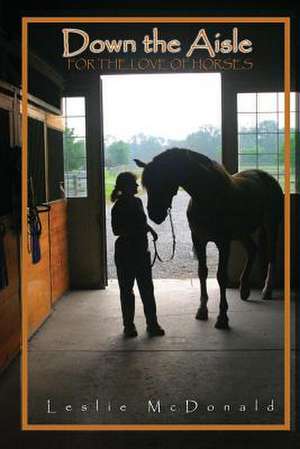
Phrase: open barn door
pixel 84 185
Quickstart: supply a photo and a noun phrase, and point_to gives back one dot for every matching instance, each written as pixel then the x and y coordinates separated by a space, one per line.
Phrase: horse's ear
pixel 140 163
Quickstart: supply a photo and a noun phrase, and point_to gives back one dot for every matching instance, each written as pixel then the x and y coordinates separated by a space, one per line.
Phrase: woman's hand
pixel 153 233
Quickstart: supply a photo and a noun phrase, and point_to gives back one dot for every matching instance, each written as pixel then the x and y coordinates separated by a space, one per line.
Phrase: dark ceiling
pixel 47 43
pixel 11 12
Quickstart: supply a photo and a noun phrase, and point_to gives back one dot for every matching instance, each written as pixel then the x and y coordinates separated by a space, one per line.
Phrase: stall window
pixel 55 164
pixel 36 162
pixel 75 163
pixel 5 165
pixel 261 133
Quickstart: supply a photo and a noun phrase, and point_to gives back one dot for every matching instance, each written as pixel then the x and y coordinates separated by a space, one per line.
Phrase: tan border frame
pixel 24 254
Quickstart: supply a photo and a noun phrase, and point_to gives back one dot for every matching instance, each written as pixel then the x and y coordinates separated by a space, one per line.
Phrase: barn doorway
pixel 144 115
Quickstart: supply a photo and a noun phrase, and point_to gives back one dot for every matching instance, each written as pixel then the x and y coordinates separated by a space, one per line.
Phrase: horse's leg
pixel 200 248
pixel 251 249
pixel 271 235
pixel 223 247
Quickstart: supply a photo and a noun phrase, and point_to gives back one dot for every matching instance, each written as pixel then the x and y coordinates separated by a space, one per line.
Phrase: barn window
pixel 261 133
pixel 36 162
pixel 75 163
pixel 55 163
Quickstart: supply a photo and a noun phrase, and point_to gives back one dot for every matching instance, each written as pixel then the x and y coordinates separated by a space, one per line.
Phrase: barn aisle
pixel 79 357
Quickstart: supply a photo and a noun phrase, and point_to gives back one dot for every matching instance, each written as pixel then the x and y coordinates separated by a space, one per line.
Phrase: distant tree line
pixel 266 140
pixel 207 140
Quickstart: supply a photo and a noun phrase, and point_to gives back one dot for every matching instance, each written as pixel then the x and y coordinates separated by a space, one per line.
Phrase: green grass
pixel 110 179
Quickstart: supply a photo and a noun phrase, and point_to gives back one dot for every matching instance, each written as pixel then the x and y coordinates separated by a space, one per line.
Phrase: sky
pixel 165 105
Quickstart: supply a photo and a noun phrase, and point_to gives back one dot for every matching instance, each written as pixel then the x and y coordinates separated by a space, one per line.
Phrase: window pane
pixel 267 102
pixel 76 183
pixel 293 117
pixel 281 154
pixel 247 143
pixel 267 123
pixel 281 143
pixel 281 101
pixel 281 181
pixel 261 133
pixel 63 102
pixel 292 183
pixel 247 161
pixel 246 103
pixel 75 147
pixel 293 102
pixel 261 144
pixel 267 143
pixel 268 163
pixel 293 153
pixel 297 99
pixel 75 106
pixel 75 140
pixel 293 121
pixel 77 125
pixel 73 150
pixel 247 123
pixel 281 122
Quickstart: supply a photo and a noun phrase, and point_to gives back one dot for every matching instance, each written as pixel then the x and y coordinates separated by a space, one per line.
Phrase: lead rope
pixel 156 254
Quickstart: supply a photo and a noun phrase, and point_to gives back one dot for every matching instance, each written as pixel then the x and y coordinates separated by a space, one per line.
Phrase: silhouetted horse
pixel 222 208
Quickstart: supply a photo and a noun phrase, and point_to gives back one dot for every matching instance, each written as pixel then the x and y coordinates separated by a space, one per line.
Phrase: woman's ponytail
pixel 115 194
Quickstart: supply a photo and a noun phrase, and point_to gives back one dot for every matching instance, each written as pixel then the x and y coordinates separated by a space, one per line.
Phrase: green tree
pixel 118 153
pixel 146 147
pixel 206 140
pixel 74 151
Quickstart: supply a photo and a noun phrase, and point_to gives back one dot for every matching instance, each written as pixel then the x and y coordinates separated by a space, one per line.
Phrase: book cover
pixel 158 243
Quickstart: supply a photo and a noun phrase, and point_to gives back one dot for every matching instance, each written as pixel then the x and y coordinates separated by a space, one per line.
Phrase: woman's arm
pixel 117 222
pixel 144 218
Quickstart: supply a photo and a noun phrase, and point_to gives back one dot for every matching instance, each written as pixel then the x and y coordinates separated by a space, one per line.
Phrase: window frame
pixel 279 133
pixel 65 116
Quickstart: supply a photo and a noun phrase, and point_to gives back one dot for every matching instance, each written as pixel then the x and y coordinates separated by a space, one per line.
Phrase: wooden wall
pixel 10 305
pixel 39 281
pixel 58 249
pixel 48 280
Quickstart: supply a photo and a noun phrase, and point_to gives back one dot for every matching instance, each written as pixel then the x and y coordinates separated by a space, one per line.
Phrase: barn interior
pixel 76 353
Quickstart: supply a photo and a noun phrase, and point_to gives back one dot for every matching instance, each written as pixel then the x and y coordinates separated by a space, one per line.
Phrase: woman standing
pixel 132 256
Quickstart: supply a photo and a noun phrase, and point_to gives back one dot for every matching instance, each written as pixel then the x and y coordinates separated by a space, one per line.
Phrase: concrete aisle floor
pixel 79 356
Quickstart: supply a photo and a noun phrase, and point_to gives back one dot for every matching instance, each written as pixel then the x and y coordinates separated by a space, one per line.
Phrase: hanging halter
pixel 156 254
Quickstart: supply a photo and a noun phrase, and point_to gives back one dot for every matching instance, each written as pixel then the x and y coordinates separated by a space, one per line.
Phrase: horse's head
pixel 159 181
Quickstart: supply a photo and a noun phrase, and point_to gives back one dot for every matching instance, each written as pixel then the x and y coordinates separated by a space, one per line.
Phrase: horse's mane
pixel 165 155
pixel 198 158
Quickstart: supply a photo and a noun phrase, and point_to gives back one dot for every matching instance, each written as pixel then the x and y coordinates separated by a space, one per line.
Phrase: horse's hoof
pixel 222 324
pixel 202 314
pixel 244 293
pixel 266 294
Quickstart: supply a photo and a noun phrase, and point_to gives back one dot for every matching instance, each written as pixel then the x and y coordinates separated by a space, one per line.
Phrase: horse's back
pixel 264 189
pixel 253 199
